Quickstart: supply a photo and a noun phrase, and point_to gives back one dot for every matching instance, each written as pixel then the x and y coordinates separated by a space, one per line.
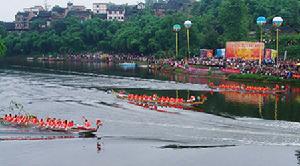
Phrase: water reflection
pixel 245 98
pixel 266 106
pixel 99 147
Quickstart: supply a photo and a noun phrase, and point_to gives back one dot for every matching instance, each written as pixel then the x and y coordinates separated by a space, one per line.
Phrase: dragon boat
pixel 155 100
pixel 248 89
pixel 81 130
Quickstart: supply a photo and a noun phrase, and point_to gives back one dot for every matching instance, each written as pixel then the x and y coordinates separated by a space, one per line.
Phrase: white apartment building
pixel 116 13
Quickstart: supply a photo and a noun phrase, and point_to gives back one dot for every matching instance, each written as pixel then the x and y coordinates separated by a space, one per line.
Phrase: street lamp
pixel 277 22
pixel 176 29
pixel 188 25
pixel 260 22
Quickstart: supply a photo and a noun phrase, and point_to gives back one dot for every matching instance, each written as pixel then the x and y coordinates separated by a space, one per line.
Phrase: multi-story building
pixel 38 14
pixel 42 20
pixel 22 20
pixel 72 7
pixel 79 12
pixel 133 10
pixel 58 12
pixel 99 8
pixel 116 12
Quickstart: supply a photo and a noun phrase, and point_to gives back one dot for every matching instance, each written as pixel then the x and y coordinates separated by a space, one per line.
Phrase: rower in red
pixel 42 123
pixel 87 124
pixel 70 124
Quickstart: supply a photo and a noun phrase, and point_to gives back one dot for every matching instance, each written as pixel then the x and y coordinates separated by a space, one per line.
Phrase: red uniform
pixel 87 124
pixel 70 124
pixel 42 123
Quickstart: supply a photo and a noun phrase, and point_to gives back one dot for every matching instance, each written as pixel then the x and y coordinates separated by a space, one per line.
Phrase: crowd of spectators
pixel 94 57
pixel 283 69
pixel 98 56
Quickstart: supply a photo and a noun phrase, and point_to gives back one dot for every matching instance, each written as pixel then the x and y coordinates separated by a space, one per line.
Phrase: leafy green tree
pixel 291 14
pixel 234 20
pixel 59 26
pixel 202 7
pixel 2 48
pixel 214 23
pixel 3 32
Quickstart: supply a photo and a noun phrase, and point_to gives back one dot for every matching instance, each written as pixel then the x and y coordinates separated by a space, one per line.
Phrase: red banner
pixel 268 54
pixel 206 53
pixel 245 50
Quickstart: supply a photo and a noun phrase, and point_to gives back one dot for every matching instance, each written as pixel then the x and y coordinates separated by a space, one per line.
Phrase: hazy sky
pixel 9 8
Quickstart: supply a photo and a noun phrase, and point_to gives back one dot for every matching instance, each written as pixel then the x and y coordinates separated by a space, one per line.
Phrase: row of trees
pixel 214 23
pixel 2 48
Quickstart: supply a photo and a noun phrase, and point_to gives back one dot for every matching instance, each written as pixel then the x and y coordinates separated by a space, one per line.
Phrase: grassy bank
pixel 261 78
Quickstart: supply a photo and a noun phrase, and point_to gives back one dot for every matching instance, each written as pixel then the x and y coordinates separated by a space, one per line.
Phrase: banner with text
pixel 245 50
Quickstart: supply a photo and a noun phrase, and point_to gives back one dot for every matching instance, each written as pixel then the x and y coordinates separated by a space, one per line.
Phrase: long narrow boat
pixel 163 109
pixel 74 130
pixel 185 103
pixel 248 89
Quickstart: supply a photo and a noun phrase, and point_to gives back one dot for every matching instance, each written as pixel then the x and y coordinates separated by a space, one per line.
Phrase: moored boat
pixel 128 65
pixel 30 58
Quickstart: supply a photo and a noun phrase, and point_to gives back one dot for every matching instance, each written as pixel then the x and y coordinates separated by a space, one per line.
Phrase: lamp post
pixel 176 29
pixel 188 25
pixel 260 22
pixel 277 22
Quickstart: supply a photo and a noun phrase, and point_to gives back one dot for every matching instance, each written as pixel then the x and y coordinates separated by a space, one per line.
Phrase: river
pixel 228 129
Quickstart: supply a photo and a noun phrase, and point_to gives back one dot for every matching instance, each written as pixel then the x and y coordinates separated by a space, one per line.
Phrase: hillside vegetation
pixel 214 23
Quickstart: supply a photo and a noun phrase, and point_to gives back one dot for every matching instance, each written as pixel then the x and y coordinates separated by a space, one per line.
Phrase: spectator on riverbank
pixel 283 69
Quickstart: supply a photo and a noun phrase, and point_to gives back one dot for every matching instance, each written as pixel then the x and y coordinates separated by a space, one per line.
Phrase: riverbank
pixel 261 78
pixel 228 74
pixel 212 69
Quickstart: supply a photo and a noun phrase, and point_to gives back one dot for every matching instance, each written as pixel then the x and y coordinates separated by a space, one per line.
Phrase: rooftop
pixel 24 14
pixel 116 8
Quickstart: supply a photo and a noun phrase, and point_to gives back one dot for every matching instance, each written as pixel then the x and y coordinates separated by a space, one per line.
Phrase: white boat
pixel 128 65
